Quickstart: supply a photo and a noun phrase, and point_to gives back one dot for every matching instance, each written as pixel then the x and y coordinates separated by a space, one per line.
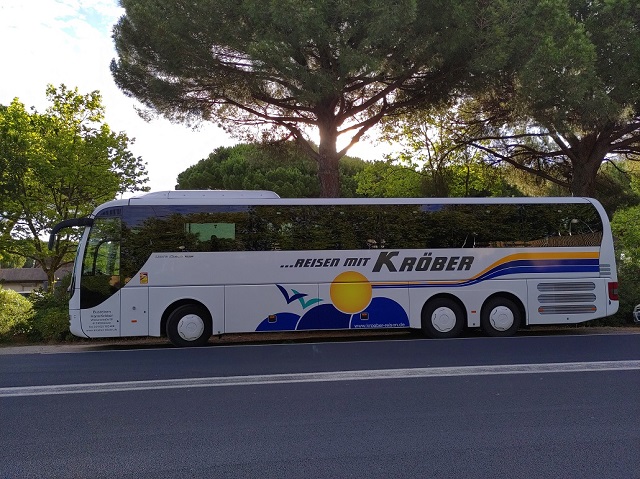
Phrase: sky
pixel 69 41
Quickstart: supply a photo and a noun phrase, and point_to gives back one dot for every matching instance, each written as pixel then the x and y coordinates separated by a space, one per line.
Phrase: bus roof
pixel 207 194
pixel 259 197
pixel 222 197
pixel 269 198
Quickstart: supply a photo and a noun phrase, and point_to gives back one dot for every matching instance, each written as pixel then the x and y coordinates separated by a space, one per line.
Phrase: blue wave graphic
pixel 381 311
pixel 514 267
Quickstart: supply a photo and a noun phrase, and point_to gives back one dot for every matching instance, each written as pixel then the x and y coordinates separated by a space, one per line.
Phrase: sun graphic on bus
pixel 350 292
pixel 352 306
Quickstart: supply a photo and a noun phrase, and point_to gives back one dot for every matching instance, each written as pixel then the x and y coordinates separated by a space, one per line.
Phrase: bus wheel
pixel 442 318
pixel 500 317
pixel 189 325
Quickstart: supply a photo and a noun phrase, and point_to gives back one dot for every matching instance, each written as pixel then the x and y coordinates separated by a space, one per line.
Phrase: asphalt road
pixel 542 406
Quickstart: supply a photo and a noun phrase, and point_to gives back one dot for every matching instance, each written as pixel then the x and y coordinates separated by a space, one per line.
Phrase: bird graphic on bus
pixel 299 296
pixel 352 307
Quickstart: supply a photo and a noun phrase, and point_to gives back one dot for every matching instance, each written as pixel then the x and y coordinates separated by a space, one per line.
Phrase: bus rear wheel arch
pixel 501 316
pixel 443 317
pixel 189 324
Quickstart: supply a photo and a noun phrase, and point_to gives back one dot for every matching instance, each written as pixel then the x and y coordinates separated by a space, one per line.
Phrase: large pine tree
pixel 299 67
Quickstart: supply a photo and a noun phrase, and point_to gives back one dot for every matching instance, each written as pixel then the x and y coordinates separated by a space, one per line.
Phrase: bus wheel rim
pixel 190 327
pixel 443 319
pixel 501 318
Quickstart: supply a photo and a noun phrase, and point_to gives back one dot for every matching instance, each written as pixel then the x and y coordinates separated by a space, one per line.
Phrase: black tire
pixel 442 318
pixel 189 325
pixel 500 317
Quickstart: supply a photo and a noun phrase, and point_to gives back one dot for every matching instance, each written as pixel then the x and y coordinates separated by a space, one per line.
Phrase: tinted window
pixel 150 229
pixel 101 262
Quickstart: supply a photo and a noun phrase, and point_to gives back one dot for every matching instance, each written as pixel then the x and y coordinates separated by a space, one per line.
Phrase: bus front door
pixel 134 319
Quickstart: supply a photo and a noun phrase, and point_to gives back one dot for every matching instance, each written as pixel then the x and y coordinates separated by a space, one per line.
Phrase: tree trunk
pixel 51 279
pixel 49 266
pixel 583 180
pixel 328 171
pixel 585 162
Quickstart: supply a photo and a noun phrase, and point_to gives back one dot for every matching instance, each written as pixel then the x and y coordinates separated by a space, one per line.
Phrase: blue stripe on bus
pixel 510 268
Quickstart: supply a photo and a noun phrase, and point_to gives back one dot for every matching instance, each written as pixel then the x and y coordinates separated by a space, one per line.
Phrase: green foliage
pixel 625 225
pixel 560 72
pixel 15 313
pixel 333 67
pixel 42 317
pixel 280 167
pixel 574 102
pixel 433 161
pixel 579 78
pixel 568 103
pixel 387 179
pixel 51 324
pixel 615 185
pixel 629 292
pixel 349 168
pixel 50 321
pixel 58 165
pixel 8 260
pixel 626 229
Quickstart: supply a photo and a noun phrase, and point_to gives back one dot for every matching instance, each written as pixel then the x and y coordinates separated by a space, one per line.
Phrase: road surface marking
pixel 377 374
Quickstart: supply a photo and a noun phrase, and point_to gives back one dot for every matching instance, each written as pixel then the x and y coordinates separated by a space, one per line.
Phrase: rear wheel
pixel 442 318
pixel 189 325
pixel 500 317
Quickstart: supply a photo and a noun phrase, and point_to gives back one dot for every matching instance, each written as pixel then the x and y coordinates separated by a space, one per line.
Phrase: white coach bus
pixel 191 264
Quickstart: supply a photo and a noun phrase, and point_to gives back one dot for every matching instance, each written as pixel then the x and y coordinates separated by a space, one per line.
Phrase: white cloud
pixel 69 41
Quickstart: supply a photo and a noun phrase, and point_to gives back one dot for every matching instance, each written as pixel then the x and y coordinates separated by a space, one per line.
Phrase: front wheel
pixel 189 325
pixel 442 318
pixel 500 317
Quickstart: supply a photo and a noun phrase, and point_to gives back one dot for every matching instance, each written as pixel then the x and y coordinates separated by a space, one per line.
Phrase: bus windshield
pixel 101 263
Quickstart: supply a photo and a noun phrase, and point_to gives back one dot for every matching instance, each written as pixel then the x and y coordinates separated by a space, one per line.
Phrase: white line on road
pixel 320 377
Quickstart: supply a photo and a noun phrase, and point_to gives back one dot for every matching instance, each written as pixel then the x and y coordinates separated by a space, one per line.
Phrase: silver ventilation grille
pixel 565 286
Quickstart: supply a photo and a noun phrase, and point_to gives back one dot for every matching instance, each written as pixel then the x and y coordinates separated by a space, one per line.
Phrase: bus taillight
pixel 613 291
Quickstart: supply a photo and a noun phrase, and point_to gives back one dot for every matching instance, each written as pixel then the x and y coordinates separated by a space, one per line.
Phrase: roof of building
pixel 28 275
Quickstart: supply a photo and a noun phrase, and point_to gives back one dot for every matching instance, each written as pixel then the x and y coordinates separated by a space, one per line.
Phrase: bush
pixel 50 321
pixel 15 313
pixel 51 324
pixel 627 235
pixel 629 290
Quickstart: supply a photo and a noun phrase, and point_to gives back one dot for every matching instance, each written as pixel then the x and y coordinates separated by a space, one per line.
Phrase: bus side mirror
pixel 67 224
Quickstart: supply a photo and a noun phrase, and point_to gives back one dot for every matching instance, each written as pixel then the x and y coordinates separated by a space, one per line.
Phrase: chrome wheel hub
pixel 443 319
pixel 190 327
pixel 501 318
